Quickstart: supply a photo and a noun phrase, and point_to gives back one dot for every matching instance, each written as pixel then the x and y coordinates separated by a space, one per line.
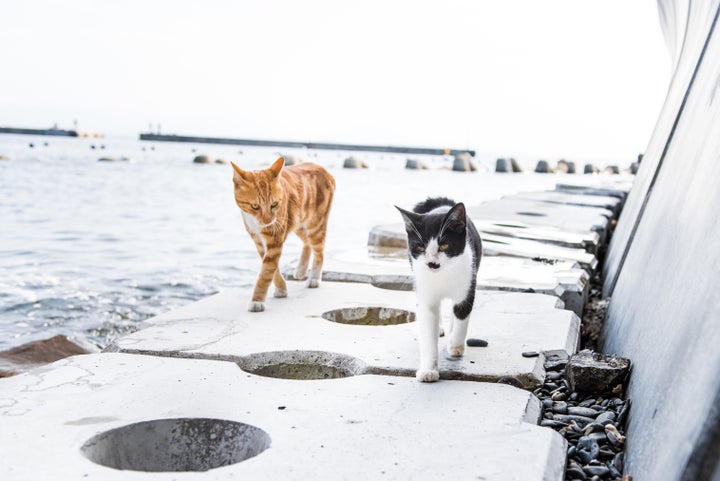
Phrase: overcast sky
pixel 553 78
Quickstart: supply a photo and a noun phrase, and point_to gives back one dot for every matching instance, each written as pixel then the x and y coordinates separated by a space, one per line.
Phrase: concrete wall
pixel 664 272
pixel 686 24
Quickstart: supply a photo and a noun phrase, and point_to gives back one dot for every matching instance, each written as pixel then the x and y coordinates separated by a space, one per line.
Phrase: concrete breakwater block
pixel 588 241
pixel 361 325
pixel 610 203
pixel 393 236
pixel 142 414
pixel 562 279
pixel 604 186
pixel 567 217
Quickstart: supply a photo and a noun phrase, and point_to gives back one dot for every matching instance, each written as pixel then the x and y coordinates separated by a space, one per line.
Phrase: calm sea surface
pixel 91 248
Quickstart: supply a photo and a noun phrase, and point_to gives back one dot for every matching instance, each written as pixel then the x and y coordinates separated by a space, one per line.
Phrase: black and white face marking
pixel 436 237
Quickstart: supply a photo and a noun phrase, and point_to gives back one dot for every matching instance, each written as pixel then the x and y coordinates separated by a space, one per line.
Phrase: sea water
pixel 90 248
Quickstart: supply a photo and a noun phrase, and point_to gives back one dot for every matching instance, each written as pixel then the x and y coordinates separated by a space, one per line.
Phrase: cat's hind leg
pixel 301 269
pixel 317 242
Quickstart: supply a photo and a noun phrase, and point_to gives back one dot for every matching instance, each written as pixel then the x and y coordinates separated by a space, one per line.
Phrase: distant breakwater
pixel 308 145
pixel 55 132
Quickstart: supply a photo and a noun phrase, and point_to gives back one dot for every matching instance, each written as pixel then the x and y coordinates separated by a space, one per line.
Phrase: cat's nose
pixel 433 265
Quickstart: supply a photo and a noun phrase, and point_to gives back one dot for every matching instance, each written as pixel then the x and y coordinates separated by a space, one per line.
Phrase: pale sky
pixel 512 77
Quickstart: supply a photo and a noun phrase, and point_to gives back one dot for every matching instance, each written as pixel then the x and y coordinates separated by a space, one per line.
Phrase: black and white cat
pixel 444 248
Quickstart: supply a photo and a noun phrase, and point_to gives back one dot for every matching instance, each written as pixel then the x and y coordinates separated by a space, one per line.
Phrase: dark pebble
pixel 596 470
pixel 614 472
pixel 583 420
pixel 571 451
pixel 550 423
pixel 582 411
pixel 622 414
pixel 559 407
pixel 618 461
pixel 574 396
pixel 576 473
pixel 559 396
pixel 553 376
pixel 605 418
pixel 604 453
pixel 587 449
pixel 530 354
pixel 599 437
pixel 587 403
pixel 548 403
pixel 551 385
pixel 472 342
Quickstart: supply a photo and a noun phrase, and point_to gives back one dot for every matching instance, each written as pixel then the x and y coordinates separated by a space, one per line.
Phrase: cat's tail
pixel 432 203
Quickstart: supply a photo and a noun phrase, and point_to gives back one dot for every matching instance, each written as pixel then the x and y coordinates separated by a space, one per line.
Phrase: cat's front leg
pixel 428 320
pixel 270 262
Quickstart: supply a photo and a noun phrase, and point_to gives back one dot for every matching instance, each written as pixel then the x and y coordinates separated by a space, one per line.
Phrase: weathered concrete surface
pixel 221 328
pixel 562 279
pixel 394 236
pixel 663 313
pixel 356 428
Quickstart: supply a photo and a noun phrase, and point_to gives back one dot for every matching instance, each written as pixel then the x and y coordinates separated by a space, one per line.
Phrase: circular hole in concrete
pixel 303 365
pixel 184 444
pixel 370 316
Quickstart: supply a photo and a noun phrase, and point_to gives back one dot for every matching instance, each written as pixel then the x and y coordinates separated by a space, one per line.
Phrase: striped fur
pixel 275 202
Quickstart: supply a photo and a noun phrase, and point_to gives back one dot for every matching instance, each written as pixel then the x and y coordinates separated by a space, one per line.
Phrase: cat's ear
pixel 456 218
pixel 239 176
pixel 277 167
pixel 411 219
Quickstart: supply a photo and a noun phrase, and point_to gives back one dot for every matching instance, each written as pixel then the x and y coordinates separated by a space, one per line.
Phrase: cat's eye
pixel 419 249
pixel 274 204
pixel 443 247
pixel 255 206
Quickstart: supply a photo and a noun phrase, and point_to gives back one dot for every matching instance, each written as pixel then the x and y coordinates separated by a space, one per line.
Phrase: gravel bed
pixel 592 424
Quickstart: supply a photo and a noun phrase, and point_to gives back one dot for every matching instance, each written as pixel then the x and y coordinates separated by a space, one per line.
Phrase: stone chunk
pixel 590 371
pixel 34 354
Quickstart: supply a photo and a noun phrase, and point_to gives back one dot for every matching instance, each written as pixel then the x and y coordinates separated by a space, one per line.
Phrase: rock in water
pixel 35 354
pixel 463 163
pixel 415 164
pixel 203 159
pixel 353 162
pixel 590 371
pixel 502 165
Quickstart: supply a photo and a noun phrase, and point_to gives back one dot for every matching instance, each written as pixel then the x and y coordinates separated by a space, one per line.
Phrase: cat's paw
pixel 300 274
pixel 456 351
pixel 256 306
pixel 312 283
pixel 280 293
pixel 427 375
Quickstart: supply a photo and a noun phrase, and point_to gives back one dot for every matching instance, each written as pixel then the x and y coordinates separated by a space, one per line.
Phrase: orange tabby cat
pixel 276 201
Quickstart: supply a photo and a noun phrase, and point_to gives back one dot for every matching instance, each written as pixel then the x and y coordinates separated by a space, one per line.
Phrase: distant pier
pixel 51 131
pixel 308 145
pixel 54 132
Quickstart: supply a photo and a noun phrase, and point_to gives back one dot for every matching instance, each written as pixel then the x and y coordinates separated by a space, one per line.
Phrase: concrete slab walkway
pixel 361 329
pixel 72 419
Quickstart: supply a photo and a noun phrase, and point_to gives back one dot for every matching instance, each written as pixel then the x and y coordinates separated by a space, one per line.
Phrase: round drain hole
pixel 185 444
pixel 302 365
pixel 370 316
